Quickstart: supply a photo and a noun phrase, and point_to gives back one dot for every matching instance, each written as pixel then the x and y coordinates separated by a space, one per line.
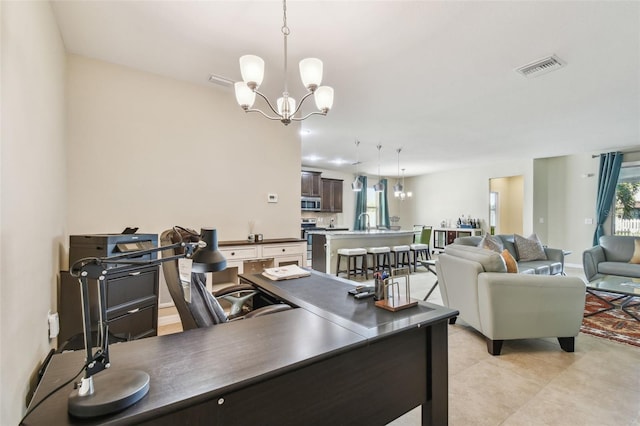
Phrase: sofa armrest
pixel 555 254
pixel 520 306
pixel 590 259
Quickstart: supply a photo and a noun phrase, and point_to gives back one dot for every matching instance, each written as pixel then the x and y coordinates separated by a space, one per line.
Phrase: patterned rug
pixel 614 324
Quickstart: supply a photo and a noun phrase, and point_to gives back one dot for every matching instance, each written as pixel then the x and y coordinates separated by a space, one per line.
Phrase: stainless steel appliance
pixel 309 224
pixel 312 204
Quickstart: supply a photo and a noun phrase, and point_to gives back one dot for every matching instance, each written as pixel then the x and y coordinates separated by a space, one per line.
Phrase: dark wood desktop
pixel 332 360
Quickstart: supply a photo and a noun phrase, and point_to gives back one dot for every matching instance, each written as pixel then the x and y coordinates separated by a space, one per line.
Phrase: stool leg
pixel 338 265
pixel 365 267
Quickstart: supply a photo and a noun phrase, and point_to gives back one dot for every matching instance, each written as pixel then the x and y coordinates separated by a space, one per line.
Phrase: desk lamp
pixel 115 390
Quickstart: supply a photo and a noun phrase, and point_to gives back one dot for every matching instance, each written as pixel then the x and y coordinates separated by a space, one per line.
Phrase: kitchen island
pixel 324 244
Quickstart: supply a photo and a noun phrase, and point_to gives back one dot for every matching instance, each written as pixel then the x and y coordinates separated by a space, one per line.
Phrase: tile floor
pixel 533 382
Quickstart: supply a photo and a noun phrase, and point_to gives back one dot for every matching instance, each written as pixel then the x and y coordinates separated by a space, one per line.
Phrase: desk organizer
pixel 394 299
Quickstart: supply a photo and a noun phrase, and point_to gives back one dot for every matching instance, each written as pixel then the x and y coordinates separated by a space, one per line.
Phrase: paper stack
pixel 285 272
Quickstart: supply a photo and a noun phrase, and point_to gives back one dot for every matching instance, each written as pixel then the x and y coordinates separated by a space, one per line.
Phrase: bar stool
pixel 401 256
pixel 380 258
pixel 418 249
pixel 352 255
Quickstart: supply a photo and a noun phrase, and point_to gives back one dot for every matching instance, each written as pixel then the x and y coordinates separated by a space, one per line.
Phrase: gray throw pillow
pixel 492 243
pixel 529 248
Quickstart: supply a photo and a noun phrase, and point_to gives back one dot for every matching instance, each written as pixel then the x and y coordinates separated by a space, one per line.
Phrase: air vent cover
pixel 541 66
pixel 218 79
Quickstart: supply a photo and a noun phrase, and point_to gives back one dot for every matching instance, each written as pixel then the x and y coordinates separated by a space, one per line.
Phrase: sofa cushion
pixel 529 248
pixel 488 259
pixel 510 262
pixel 541 267
pixel 490 242
pixel 623 269
pixel 636 252
pixel 617 248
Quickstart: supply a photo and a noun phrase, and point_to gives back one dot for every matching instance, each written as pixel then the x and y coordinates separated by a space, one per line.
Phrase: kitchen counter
pixel 250 243
pixel 325 244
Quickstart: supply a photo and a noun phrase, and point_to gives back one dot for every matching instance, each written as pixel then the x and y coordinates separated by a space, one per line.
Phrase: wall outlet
pixel 272 198
pixel 54 324
pixel 541 220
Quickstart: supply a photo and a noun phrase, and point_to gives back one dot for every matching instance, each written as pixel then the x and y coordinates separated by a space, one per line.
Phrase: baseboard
pixel 168 319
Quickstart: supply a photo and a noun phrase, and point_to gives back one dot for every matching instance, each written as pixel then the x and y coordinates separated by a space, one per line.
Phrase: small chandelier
pixel 398 188
pixel 356 186
pixel 379 187
pixel 252 70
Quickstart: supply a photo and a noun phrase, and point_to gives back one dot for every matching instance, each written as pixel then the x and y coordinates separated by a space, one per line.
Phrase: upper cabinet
pixel 311 186
pixel 331 195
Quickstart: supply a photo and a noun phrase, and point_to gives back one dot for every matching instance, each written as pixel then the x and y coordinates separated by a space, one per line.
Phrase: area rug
pixel 614 324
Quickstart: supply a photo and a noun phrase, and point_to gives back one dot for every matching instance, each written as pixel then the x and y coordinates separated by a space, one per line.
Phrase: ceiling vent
pixel 541 66
pixel 222 81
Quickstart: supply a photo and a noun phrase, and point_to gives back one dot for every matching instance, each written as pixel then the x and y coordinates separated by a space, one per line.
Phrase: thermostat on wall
pixel 272 198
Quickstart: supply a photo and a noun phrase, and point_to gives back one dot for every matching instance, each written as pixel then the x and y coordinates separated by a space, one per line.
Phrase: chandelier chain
pixel 285 31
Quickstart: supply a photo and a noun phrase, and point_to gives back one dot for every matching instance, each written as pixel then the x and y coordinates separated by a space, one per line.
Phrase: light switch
pixel 272 198
pixel 588 221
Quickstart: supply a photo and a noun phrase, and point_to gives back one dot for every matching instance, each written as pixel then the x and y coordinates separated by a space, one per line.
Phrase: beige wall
pixel 510 202
pixel 450 194
pixel 152 152
pixel 33 193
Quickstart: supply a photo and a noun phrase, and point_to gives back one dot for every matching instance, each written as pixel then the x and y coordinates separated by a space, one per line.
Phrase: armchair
pixel 204 309
pixel 506 306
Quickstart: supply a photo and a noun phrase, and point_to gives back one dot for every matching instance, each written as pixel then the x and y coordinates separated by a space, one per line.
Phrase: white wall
pixel 33 194
pixel 153 152
pixel 450 194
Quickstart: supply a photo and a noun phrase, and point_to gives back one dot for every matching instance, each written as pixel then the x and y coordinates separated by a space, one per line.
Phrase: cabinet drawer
pixel 234 253
pixel 282 249
pixel 135 325
pixel 131 290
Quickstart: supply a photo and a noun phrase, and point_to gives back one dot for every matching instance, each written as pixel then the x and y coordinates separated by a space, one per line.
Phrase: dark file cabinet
pixel 132 306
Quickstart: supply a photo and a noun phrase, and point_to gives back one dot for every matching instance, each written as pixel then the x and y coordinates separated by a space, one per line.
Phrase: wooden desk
pixel 318 364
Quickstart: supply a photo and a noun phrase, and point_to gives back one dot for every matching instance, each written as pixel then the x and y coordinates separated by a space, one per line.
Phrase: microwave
pixel 311 204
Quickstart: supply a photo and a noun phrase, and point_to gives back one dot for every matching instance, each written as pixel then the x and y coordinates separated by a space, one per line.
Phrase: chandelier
pixel 398 188
pixel 252 70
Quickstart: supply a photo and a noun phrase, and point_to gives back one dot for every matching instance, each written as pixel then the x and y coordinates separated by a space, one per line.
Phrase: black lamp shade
pixel 208 259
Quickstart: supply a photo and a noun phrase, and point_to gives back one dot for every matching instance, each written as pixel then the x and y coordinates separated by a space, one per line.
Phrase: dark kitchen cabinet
pixel 132 306
pixel 310 184
pixel 331 195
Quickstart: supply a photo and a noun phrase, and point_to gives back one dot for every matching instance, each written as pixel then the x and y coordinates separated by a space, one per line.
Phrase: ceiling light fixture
pixel 252 70
pixel 356 186
pixel 398 188
pixel 379 187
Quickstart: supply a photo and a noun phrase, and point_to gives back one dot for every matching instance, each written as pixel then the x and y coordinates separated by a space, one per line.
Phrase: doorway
pixel 506 195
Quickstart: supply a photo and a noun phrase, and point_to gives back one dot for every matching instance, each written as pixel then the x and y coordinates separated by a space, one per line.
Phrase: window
pixel 627 201
pixel 372 207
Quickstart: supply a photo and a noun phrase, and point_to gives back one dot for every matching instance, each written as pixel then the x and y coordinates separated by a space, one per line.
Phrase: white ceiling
pixel 433 77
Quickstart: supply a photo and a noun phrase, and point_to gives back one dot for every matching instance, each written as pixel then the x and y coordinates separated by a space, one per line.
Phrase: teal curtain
pixel 383 207
pixel 607 182
pixel 360 223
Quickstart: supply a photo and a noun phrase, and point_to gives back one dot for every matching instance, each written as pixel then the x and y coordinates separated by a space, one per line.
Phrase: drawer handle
pixel 133 274
pixel 283 250
pixel 233 253
pixel 133 311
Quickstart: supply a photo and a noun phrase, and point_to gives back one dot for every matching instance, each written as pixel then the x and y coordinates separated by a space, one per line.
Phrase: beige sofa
pixel 505 306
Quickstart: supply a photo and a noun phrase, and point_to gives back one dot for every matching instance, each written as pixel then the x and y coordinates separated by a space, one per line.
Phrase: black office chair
pixel 204 309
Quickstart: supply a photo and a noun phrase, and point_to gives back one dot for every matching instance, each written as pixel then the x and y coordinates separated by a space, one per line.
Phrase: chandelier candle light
pixel 252 70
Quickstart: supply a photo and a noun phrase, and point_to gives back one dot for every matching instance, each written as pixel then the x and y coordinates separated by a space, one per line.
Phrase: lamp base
pixel 115 390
